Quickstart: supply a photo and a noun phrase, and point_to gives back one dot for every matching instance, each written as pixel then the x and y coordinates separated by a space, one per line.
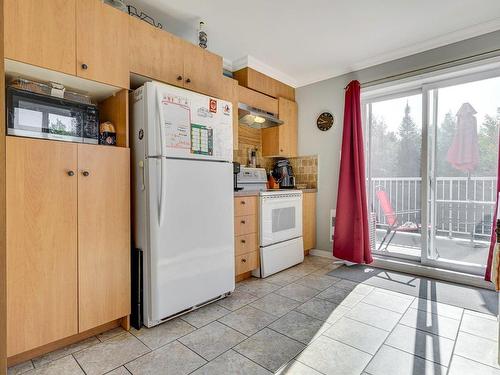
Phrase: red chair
pixel 391 217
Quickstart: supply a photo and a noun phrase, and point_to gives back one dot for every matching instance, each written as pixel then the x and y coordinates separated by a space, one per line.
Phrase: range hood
pixel 257 118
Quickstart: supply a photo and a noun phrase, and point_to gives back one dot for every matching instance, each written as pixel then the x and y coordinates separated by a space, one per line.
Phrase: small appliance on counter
pixel 107 134
pixel 251 179
pixel 283 174
pixel 236 170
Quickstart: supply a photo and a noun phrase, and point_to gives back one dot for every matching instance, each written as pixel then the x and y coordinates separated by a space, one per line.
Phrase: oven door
pixel 281 217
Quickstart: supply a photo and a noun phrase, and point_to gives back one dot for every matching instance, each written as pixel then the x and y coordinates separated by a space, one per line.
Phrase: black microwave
pixel 36 115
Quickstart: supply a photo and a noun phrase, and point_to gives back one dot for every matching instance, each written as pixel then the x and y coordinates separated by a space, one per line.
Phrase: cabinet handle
pixel 243 221
pixel 243 241
pixel 243 260
pixel 243 202
pixel 188 80
pixel 179 78
pixel 70 173
pixel 86 173
pixel 85 66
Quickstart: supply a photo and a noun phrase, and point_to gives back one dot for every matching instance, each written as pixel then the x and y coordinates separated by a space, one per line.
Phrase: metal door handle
pixel 85 66
pixel 242 221
pixel 243 260
pixel 243 202
pixel 243 241
pixel 86 173
pixel 179 78
pixel 70 173
pixel 188 80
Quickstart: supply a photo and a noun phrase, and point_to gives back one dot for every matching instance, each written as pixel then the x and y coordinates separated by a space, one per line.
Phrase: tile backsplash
pixel 305 169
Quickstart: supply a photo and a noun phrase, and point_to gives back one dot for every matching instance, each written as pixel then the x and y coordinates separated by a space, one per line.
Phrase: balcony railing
pixel 462 207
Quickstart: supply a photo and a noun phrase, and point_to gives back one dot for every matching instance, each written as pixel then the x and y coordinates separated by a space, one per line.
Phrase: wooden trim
pixel 21 357
pixel 243 276
pixel 115 110
pixel 125 323
pixel 260 82
pixel 3 217
pixel 257 100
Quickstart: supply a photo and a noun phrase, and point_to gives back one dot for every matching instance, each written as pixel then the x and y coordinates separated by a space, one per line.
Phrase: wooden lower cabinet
pixel 309 220
pixel 42 291
pixel 103 234
pixel 246 237
pixel 68 240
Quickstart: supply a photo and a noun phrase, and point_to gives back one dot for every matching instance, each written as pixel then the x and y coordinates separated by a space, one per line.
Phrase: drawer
pixel 245 243
pixel 246 262
pixel 245 206
pixel 245 225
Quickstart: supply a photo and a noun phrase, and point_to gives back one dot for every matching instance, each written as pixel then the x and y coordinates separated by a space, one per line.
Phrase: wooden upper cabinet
pixel 42 290
pixel 282 140
pixel 103 234
pixel 41 33
pixel 155 53
pixel 102 43
pixel 257 81
pixel 309 220
pixel 202 70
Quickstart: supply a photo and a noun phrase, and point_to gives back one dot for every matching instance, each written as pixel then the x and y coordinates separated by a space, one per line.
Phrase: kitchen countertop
pixel 250 193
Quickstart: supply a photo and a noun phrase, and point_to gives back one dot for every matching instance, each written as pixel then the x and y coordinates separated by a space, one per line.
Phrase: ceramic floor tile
pixel 318 282
pixel 231 362
pixel 20 368
pixel 110 354
pixel 173 358
pixel 237 300
pixel 391 361
pixel 248 320
pixel 163 333
pixel 299 327
pixel 212 340
pixel 297 368
pixel 340 296
pixel 297 292
pixel 346 284
pixel 269 349
pixel 119 371
pixel 388 301
pixel 363 289
pixel 110 334
pixel 436 324
pixel 257 287
pixel 63 352
pixel 333 357
pixel 437 308
pixel 62 366
pixel 275 304
pixel 374 316
pixel 423 344
pixel 282 279
pixel 322 309
pixel 204 315
pixel 463 366
pixel 478 349
pixel 480 326
pixel 358 335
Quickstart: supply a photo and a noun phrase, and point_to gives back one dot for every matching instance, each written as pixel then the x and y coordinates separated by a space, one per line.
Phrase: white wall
pixel 328 95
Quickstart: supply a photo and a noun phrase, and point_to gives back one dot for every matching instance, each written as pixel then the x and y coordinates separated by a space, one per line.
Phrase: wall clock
pixel 325 121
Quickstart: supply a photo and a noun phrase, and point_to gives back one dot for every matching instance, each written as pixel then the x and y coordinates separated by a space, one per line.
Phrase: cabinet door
pixel 155 53
pixel 309 220
pixel 282 140
pixel 202 70
pixel 102 43
pixel 42 33
pixel 41 243
pixel 103 234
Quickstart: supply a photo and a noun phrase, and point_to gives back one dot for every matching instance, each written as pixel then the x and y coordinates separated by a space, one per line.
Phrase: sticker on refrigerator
pixel 202 140
pixel 177 122
pixel 213 106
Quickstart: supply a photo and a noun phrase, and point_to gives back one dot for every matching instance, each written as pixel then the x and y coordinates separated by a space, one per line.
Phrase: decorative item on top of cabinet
pixel 202 36
pixel 132 10
pixel 102 52
pixel 246 243
pixel 282 140
pixel 309 220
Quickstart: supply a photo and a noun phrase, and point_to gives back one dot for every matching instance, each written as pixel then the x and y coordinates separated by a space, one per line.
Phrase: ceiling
pixel 301 42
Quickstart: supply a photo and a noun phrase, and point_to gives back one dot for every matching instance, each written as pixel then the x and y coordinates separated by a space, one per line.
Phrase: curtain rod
pixel 431 68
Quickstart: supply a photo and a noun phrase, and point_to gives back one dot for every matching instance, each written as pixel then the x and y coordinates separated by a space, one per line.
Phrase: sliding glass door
pixel 432 156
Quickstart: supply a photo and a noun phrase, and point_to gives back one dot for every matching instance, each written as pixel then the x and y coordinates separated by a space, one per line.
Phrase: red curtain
pixel 487 275
pixel 351 240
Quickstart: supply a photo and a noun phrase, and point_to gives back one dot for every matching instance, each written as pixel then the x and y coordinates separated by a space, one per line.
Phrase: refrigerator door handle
pixel 163 164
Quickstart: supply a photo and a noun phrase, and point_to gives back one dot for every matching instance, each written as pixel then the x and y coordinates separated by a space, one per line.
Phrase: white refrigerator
pixel 183 198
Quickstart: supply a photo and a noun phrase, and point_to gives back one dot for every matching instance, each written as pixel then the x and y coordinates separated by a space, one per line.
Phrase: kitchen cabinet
pixel 102 43
pixel 68 239
pixel 309 220
pixel 257 100
pixel 41 33
pixel 103 234
pixel 246 238
pixel 41 243
pixel 202 70
pixel 257 81
pixel 229 92
pixel 282 140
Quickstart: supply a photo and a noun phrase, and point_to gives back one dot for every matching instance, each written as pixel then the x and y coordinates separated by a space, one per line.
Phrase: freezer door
pixel 190 258
pixel 190 125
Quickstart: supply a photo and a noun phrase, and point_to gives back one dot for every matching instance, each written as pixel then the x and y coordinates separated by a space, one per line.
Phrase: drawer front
pixel 245 243
pixel 245 225
pixel 246 262
pixel 245 206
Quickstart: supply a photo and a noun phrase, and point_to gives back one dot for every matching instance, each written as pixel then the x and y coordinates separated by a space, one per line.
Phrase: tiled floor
pixel 299 321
